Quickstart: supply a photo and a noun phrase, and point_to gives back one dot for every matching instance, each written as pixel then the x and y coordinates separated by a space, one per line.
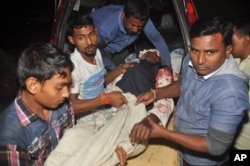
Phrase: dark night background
pixel 22 23
pixel 25 21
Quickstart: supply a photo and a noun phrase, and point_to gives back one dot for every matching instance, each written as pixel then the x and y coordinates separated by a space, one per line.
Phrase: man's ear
pixel 32 85
pixel 246 41
pixel 123 15
pixel 228 50
pixel 71 40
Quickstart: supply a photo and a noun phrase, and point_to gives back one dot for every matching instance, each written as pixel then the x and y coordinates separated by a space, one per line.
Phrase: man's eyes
pixel 210 52
pixel 59 87
pixel 194 51
pixel 85 37
pixel 81 38
pixel 92 34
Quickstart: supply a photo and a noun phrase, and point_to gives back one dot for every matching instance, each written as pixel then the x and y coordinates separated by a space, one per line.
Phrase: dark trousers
pixel 139 79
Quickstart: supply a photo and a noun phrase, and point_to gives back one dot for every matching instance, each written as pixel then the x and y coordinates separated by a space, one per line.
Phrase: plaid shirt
pixel 25 138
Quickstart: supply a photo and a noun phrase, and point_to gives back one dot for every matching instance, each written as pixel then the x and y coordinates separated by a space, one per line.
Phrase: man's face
pixel 132 25
pixel 238 45
pixel 53 91
pixel 85 40
pixel 208 53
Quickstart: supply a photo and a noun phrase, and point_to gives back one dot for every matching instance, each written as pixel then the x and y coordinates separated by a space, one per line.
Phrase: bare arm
pixel 141 131
pixel 81 106
pixel 170 91
pixel 111 75
pixel 197 143
pixel 115 98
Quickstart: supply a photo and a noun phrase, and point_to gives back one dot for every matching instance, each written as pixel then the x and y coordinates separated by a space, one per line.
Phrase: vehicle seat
pixel 167 22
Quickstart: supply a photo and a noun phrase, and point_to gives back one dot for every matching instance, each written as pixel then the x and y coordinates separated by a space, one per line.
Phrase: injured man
pixel 96 143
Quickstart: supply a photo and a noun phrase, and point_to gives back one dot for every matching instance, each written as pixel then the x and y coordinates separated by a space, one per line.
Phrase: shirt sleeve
pixel 76 80
pixel 228 109
pixel 14 155
pixel 218 141
pixel 157 40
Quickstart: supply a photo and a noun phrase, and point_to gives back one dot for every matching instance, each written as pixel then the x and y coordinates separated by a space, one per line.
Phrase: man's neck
pixel 33 106
pixel 89 59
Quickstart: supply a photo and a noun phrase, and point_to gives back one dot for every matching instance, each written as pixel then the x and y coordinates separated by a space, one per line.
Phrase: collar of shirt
pixel 204 77
pixel 121 24
pixel 24 114
pixel 246 59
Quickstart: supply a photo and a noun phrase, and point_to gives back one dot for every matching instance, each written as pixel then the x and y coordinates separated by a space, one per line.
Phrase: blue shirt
pixel 217 101
pixel 27 138
pixel 112 36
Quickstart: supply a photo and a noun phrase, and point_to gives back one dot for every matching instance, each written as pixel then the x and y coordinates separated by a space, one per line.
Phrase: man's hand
pixel 124 67
pixel 145 98
pixel 122 155
pixel 157 130
pixel 116 99
pixel 140 134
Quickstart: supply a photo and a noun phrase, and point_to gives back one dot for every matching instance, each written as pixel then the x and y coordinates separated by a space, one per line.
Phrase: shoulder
pixel 98 53
pixel 8 115
pixel 245 65
pixel 75 55
pixel 10 132
pixel 76 59
pixel 109 10
pixel 186 61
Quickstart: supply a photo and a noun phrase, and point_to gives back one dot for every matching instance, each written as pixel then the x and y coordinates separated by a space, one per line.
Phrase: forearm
pixel 170 91
pixel 196 143
pixel 84 106
pixel 152 117
pixel 111 75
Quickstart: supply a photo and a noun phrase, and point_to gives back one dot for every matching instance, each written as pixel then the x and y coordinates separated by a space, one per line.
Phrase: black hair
pixel 42 61
pixel 78 20
pixel 140 9
pixel 242 25
pixel 209 26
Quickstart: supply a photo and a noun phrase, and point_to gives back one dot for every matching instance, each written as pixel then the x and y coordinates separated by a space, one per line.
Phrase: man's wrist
pixel 154 92
pixel 104 99
pixel 120 69
pixel 153 117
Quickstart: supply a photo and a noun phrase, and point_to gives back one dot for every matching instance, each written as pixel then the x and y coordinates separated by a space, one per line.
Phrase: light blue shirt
pixel 217 101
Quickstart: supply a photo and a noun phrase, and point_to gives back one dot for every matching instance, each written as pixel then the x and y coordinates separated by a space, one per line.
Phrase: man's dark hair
pixel 42 61
pixel 242 25
pixel 209 26
pixel 78 20
pixel 140 9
